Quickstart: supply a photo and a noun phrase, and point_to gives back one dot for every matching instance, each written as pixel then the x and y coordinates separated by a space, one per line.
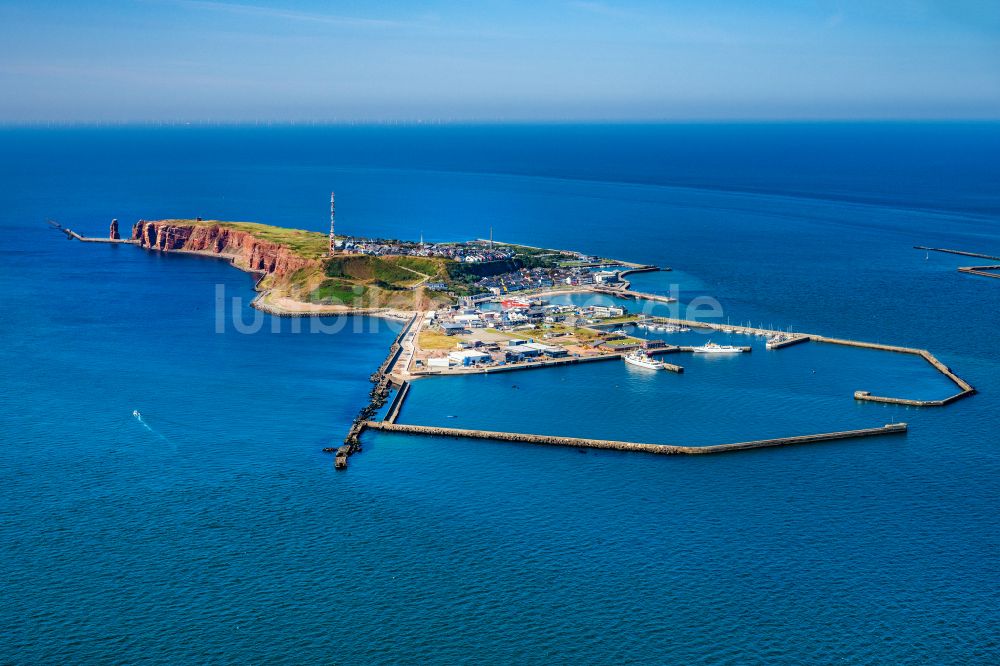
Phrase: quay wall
pixel 377 397
pixel 788 343
pixel 980 270
pixel 614 445
pixel 634 295
pixel 640 269
pixel 510 367
pixel 961 252
pixel 397 402
pixel 966 389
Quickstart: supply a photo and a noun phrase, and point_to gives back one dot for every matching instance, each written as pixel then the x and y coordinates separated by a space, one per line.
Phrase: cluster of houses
pixel 522 280
pixel 546 278
pixel 475 252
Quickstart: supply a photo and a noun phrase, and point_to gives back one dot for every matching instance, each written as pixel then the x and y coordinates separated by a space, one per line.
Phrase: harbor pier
pixel 382 380
pixel 965 389
pixel 982 271
pixel 638 447
pixel 72 235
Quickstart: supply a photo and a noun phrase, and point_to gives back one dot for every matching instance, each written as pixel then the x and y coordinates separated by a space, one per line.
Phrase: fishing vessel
pixel 643 360
pixel 712 348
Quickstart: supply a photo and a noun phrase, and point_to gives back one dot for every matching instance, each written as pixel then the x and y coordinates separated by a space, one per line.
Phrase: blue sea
pixel 215 530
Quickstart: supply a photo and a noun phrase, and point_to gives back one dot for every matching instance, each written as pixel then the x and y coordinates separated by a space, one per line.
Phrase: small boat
pixel 712 348
pixel 641 359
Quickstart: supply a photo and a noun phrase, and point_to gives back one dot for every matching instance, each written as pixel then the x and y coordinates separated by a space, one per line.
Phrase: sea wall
pixel 245 250
pixel 614 445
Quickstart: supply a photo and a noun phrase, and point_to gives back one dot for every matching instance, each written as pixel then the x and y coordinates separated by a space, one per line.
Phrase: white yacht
pixel 712 348
pixel 643 360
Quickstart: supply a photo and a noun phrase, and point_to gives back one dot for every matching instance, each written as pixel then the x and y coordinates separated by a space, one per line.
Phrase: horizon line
pixel 94 124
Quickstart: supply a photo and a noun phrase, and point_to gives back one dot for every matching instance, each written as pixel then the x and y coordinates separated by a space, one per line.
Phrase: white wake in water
pixel 138 417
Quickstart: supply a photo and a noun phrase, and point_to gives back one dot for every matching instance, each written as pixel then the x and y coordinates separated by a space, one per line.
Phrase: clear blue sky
pixel 236 60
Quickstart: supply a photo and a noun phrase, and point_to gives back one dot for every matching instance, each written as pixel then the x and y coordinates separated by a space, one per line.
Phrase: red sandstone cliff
pixel 249 252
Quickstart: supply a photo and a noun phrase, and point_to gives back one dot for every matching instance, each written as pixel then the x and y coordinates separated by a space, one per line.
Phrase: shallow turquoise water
pixel 222 533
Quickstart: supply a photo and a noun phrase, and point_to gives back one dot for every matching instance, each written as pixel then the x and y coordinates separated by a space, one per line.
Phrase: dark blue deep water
pixel 216 531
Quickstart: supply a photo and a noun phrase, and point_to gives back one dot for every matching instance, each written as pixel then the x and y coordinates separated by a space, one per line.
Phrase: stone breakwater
pixel 382 382
pixel 613 445
pixel 242 248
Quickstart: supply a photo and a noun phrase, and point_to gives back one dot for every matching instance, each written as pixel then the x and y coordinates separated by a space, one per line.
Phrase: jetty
pixel 786 342
pixel 965 389
pixel 383 384
pixel 963 253
pixel 625 292
pixel 72 235
pixel 638 447
pixel 983 271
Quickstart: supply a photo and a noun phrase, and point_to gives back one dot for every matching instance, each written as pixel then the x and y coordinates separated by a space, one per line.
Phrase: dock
pixel 981 270
pixel 787 342
pixel 638 447
pixel 524 365
pixel 625 292
pixel 959 252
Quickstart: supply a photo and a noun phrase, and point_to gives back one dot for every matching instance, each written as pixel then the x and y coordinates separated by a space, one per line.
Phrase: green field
pixel 434 267
pixel 338 292
pixel 385 271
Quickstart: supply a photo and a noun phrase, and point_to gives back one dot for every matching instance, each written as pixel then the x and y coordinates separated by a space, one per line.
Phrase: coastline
pixel 396 373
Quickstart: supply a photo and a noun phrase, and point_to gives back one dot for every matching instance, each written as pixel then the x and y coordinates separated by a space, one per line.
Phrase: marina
pixel 644 359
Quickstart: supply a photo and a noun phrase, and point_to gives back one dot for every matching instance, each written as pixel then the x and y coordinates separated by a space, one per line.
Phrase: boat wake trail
pixel 138 417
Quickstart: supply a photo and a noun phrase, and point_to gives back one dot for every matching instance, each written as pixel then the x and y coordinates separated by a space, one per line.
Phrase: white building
pixel 468 356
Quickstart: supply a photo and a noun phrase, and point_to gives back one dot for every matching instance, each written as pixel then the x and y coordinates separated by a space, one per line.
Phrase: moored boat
pixel 641 359
pixel 712 348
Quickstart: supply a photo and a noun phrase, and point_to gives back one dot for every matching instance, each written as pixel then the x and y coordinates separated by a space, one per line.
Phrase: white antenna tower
pixel 333 239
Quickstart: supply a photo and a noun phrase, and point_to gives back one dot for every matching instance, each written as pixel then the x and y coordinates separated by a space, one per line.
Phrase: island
pixel 477 306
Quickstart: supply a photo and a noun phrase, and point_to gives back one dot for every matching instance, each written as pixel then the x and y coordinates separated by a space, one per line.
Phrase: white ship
pixel 643 360
pixel 712 348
